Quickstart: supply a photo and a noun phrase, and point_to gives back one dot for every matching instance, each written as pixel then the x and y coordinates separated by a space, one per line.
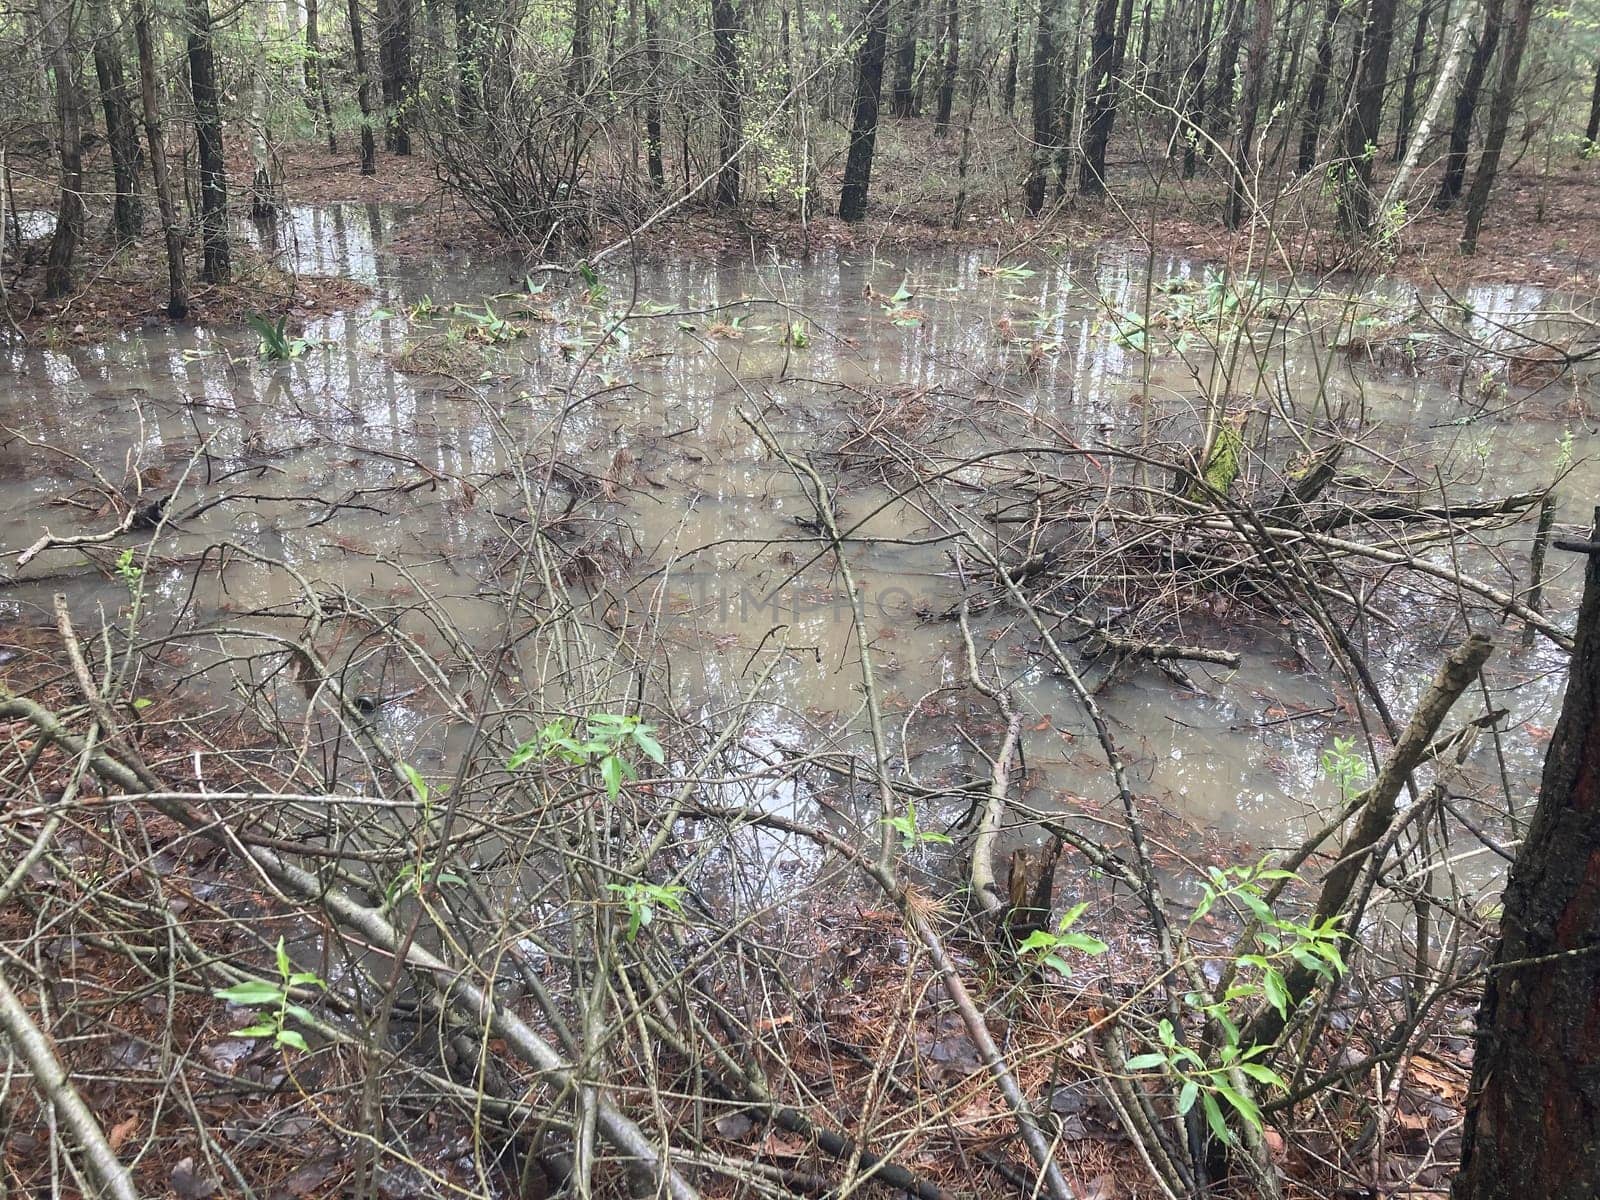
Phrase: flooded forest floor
pixel 791 711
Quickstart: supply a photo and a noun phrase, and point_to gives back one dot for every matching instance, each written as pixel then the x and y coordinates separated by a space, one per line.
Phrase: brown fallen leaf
pixel 121 1131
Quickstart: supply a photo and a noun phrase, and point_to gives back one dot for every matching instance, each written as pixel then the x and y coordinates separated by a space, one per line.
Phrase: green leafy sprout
pixel 642 900
pixel 607 742
pixel 272 1002
pixel 1043 948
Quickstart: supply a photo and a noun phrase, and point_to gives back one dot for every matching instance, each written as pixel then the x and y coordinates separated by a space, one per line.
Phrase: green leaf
pixel 1037 940
pixel 141 703
pixel 1164 1031
pixel 290 1037
pixel 285 967
pixel 1214 1117
pixel 611 772
pixel 647 743
pixel 1144 1062
pixel 259 1030
pixel 1081 941
pixel 250 993
pixel 1245 1106
pixel 522 755
pixel 1264 1074
pixel 414 778
pixel 1058 964
pixel 1277 991
pixel 1187 1095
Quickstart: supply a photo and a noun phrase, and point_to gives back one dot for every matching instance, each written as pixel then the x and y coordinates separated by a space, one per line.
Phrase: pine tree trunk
pixel 1195 85
pixel 725 36
pixel 317 99
pixel 122 134
pixel 263 192
pixel 1218 119
pixel 902 94
pixel 1255 71
pixel 1532 1128
pixel 1591 132
pixel 1044 107
pixel 1494 139
pixel 952 64
pixel 652 103
pixel 150 103
pixel 1317 89
pixel 1107 47
pixel 864 122
pixel 1455 159
pixel 55 21
pixel 215 261
pixel 358 51
pixel 581 68
pixel 1364 120
pixel 1015 53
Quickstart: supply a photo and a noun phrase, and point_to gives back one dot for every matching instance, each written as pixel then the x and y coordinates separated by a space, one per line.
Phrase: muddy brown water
pixel 365 477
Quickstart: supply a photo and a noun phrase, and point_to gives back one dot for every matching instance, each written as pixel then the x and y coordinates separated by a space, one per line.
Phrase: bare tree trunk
pixel 1448 65
pixel 1227 75
pixel 1317 89
pixel 582 53
pixel 1107 47
pixel 903 94
pixel 1044 107
pixel 394 69
pixel 1195 85
pixel 1533 1110
pixel 864 123
pixel 122 134
pixel 725 36
pixel 952 64
pixel 1408 93
pixel 216 263
pixel 177 285
pixel 317 99
pixel 263 192
pixel 358 50
pixel 1591 132
pixel 1015 53
pixel 1255 71
pixel 55 22
pixel 1364 120
pixel 1455 161
pixel 652 102
pixel 1494 140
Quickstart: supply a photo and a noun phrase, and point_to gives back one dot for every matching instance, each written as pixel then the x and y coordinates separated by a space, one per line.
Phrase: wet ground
pixel 393 457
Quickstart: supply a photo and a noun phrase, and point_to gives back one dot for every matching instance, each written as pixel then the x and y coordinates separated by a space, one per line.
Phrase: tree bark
pixel 1448 65
pixel 864 123
pixel 1044 107
pixel 263 192
pixel 1455 159
pixel 394 65
pixel 358 50
pixel 150 103
pixel 725 37
pixel 317 99
pixel 582 53
pixel 1364 120
pixel 55 22
pixel 1317 89
pixel 1494 140
pixel 1107 48
pixel 1015 53
pixel 1255 71
pixel 1195 85
pixel 1533 1110
pixel 122 134
pixel 216 264
pixel 903 94
pixel 952 64
pixel 1227 75
pixel 1591 132
pixel 652 103
pixel 1408 93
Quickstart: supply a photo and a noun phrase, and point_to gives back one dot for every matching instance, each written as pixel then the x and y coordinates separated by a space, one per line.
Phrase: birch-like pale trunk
pixel 1430 115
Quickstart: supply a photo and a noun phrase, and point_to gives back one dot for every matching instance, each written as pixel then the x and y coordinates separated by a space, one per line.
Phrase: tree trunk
pixel 1591 133
pixel 725 37
pixel 317 99
pixel 263 193
pixel 1494 140
pixel 902 95
pixel 396 18
pixel 1449 61
pixel 582 53
pixel 1217 119
pixel 1455 159
pixel 1364 120
pixel 1044 107
pixel 1195 85
pixel 1408 93
pixel 1107 47
pixel 864 123
pixel 1015 53
pixel 358 51
pixel 1533 1111
pixel 652 101
pixel 952 64
pixel 177 285
pixel 122 134
pixel 1255 72
pixel 55 22
pixel 1317 89
pixel 215 263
